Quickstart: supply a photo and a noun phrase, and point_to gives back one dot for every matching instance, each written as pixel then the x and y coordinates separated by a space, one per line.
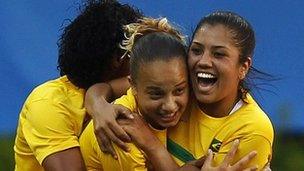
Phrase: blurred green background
pixel 288 152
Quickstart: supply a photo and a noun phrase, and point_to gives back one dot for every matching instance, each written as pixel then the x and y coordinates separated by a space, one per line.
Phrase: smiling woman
pixel 216 70
pixel 219 60
pixel 159 93
pixel 162 100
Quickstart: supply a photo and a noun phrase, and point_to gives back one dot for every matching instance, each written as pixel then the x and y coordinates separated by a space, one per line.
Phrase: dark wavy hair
pixel 89 43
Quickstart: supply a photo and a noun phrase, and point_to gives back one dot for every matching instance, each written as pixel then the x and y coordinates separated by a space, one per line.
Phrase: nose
pixel 205 60
pixel 169 105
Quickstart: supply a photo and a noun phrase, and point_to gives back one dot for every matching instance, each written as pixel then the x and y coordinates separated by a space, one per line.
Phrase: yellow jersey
pixel 50 121
pixel 95 159
pixel 197 132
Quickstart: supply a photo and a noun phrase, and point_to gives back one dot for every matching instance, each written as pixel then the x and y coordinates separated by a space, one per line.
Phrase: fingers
pixel 230 155
pixel 116 140
pixel 105 144
pixel 123 112
pixel 118 132
pixel 208 161
pixel 199 162
pixel 244 161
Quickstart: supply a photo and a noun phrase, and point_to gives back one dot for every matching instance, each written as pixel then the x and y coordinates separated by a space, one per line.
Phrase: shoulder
pixel 252 119
pixel 128 101
pixel 53 91
pixel 133 159
pixel 55 101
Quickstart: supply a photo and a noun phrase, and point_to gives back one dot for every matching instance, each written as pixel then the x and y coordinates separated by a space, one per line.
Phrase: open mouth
pixel 169 117
pixel 206 79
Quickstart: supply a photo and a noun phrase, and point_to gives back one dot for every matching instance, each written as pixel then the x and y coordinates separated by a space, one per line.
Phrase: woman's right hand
pixel 104 117
pixel 107 129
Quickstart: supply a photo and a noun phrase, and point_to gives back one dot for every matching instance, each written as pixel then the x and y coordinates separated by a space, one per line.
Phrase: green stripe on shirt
pixel 179 152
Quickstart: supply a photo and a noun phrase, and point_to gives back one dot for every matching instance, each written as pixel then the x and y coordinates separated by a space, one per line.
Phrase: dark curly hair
pixel 89 43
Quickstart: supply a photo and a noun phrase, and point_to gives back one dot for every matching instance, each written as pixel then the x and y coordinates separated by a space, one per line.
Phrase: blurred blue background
pixel 29 31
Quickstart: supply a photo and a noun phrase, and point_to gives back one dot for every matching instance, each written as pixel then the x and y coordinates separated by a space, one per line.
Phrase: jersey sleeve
pixel 95 159
pixel 48 128
pixel 257 143
pixel 127 101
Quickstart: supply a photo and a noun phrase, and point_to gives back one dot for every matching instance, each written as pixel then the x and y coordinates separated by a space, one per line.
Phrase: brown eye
pixel 155 95
pixel 196 50
pixel 179 91
pixel 218 54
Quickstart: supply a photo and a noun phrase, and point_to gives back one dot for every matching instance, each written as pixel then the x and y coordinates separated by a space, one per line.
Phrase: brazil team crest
pixel 215 145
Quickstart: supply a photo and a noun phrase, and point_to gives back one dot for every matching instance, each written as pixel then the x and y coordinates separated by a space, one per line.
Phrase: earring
pixel 242 76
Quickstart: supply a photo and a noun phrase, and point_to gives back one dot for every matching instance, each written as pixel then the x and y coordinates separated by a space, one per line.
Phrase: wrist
pixel 99 103
pixel 153 147
pixel 160 158
pixel 96 96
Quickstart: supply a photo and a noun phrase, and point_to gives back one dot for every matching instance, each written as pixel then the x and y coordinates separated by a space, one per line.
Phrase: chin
pixel 202 98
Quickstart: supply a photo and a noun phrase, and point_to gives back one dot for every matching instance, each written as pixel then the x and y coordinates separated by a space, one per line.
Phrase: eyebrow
pixel 158 88
pixel 213 47
pixel 181 83
pixel 197 43
pixel 153 88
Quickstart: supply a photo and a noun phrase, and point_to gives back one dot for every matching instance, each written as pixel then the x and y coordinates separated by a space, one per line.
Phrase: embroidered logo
pixel 215 145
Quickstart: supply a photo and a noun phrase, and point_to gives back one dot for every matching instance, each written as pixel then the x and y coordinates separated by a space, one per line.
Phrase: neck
pixel 220 108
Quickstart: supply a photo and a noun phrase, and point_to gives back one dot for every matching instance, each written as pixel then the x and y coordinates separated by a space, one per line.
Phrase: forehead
pixel 162 73
pixel 216 35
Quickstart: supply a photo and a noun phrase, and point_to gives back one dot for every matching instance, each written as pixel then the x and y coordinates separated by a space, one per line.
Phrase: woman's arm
pixel 104 114
pixel 69 159
pixel 108 91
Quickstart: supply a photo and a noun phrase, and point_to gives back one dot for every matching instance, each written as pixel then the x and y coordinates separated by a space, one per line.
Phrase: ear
pixel 133 86
pixel 244 68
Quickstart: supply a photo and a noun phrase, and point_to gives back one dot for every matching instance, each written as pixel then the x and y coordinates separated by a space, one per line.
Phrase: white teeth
pixel 168 115
pixel 205 75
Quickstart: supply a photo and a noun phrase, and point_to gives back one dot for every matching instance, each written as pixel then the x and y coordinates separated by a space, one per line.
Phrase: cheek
pixel 149 106
pixel 183 100
pixel 230 75
pixel 191 61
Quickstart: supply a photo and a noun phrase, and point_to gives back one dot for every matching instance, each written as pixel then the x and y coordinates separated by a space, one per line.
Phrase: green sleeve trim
pixel 179 152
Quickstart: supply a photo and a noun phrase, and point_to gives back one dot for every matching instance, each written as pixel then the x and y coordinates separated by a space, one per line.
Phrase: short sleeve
pixel 49 128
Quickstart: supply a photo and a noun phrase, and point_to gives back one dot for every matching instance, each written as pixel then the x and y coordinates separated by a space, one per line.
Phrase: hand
pixel 106 127
pixel 197 163
pixel 194 165
pixel 225 165
pixel 140 133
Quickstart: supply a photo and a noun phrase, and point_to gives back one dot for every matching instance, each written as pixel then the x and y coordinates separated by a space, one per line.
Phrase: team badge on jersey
pixel 215 145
